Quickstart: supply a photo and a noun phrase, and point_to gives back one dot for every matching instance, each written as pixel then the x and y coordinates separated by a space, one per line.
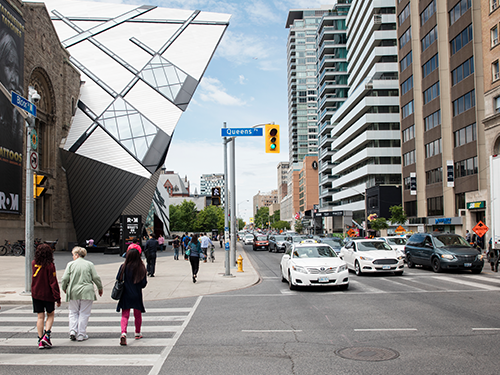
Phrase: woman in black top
pixel 133 272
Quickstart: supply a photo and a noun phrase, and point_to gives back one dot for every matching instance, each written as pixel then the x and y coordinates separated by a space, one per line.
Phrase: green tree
pixel 298 226
pixel 398 215
pixel 276 216
pixel 207 219
pixel 241 224
pixel 281 224
pixel 182 216
pixel 379 223
pixel 262 217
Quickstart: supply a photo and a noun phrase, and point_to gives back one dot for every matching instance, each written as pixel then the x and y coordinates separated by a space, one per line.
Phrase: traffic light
pixel 216 196
pixel 38 190
pixel 272 139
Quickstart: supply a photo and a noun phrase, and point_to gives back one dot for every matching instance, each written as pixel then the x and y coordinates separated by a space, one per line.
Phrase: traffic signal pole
pixel 226 210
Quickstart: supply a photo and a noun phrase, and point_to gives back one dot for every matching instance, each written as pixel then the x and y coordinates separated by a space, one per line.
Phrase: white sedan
pixel 371 256
pixel 313 264
pixel 248 239
pixel 396 242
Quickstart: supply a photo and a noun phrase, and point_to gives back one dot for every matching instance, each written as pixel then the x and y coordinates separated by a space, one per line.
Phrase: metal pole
pixel 28 209
pixel 233 203
pixel 226 207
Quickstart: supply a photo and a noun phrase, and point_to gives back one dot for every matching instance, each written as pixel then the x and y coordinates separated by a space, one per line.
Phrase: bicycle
pixel 15 249
pixel 212 255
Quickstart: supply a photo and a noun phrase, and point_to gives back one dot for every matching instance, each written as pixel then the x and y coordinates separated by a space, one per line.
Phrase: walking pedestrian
pixel 492 256
pixel 161 241
pixel 220 240
pixel 185 240
pixel 133 272
pixel 204 241
pixel 194 250
pixel 135 245
pixel 44 293
pixel 467 236
pixel 176 244
pixel 78 284
pixel 150 250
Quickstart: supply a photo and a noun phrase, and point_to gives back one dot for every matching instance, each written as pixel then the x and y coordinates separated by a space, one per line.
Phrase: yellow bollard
pixel 239 261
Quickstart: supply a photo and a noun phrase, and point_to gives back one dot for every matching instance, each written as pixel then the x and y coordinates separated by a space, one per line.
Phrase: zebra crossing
pixel 418 282
pixel 161 328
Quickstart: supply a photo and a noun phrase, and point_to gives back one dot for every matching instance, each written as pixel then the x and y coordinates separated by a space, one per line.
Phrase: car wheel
pixel 344 287
pixel 290 282
pixel 398 273
pixel 409 262
pixel 436 265
pixel 283 280
pixel 357 269
pixel 476 270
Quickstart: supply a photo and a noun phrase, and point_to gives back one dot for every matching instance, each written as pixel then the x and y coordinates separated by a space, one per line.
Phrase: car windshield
pixel 334 242
pixel 261 238
pixel 372 245
pixel 279 238
pixel 299 238
pixel 248 236
pixel 450 240
pixel 396 241
pixel 314 252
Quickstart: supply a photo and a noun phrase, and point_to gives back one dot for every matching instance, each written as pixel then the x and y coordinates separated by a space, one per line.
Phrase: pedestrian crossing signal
pixel 39 190
pixel 272 134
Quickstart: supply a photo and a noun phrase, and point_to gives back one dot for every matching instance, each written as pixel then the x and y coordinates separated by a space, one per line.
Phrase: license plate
pixel 467 264
pixel 386 267
pixel 323 280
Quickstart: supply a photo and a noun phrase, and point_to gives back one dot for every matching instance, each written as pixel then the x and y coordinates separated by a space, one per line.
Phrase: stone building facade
pixel 47 69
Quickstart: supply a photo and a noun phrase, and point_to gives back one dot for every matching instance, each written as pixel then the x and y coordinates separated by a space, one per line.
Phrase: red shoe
pixel 123 339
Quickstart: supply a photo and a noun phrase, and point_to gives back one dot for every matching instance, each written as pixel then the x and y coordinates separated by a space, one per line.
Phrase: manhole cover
pixel 367 354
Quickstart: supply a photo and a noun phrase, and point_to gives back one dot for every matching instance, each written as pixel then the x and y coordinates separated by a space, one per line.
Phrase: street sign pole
pixel 226 211
pixel 233 204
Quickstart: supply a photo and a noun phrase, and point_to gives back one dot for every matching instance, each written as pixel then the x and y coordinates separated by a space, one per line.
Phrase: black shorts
pixel 40 306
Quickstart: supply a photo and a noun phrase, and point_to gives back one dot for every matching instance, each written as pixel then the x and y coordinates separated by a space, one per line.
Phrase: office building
pixel 213 180
pixel 445 161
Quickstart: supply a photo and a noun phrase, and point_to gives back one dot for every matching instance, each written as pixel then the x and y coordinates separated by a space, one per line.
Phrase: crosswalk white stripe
pixel 90 329
pixel 400 281
pixel 108 342
pixel 43 359
pixel 365 288
pixel 485 279
pixel 98 311
pixel 112 318
pixel 467 283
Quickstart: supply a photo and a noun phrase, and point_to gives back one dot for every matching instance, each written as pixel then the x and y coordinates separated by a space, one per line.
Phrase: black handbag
pixel 117 291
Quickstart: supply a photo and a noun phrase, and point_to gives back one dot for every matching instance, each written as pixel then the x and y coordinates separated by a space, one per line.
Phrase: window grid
pixel 434 176
pixel 407 85
pixel 464 103
pixel 430 38
pixel 433 148
pixel 461 39
pixel 433 120
pixel 458 10
pixel 407 109
pixel 431 93
pixel 466 167
pixel 406 61
pixel 405 38
pixel 405 13
pixel 428 12
pixel 431 65
pixel 465 135
pixel 463 71
pixel 409 133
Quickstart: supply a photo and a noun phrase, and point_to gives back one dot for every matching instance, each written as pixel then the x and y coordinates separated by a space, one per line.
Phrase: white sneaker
pixel 82 337
pixel 72 335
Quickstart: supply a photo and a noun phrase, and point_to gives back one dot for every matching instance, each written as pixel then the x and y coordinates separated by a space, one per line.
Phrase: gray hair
pixel 80 251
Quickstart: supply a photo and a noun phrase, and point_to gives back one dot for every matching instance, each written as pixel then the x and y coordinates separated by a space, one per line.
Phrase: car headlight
pixel 366 258
pixel 299 269
pixel 447 256
pixel 400 257
pixel 342 268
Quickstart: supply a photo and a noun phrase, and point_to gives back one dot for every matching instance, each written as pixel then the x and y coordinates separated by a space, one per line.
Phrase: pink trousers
pixel 137 320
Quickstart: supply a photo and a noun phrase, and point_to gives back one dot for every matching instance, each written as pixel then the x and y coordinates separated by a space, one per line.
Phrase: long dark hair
pixel 194 239
pixel 134 264
pixel 44 255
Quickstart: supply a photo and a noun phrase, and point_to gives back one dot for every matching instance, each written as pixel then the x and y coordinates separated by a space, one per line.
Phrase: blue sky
pixel 245 84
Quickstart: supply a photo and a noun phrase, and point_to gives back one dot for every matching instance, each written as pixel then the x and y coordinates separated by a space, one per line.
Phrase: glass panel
pixel 129 145
pixel 136 125
pixel 150 139
pixel 149 128
pixel 123 127
pixel 161 79
pixel 141 147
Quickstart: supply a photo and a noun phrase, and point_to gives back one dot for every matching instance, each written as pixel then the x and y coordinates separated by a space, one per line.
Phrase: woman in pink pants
pixel 133 272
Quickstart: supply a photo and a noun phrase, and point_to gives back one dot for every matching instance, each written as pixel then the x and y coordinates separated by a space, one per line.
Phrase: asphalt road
pixel 418 323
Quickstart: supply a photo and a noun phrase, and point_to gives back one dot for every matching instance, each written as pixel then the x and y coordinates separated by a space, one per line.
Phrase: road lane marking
pixel 114 318
pixel 270 330
pixel 486 329
pixel 91 342
pixel 467 283
pixel 99 311
pixel 78 359
pixel 164 354
pixel 485 279
pixel 383 329
pixel 90 329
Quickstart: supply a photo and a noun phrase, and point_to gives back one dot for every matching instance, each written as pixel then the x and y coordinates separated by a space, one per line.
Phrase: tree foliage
pixel 208 219
pixel 281 224
pixel 379 223
pixel 398 214
pixel 262 217
pixel 298 226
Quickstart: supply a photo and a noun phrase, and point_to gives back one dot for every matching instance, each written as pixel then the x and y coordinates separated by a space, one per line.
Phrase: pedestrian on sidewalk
pixel 220 240
pixel 161 241
pixel 204 241
pixel 78 284
pixel 44 292
pixel 492 256
pixel 133 273
pixel 176 244
pixel 194 251
pixel 185 240
pixel 150 250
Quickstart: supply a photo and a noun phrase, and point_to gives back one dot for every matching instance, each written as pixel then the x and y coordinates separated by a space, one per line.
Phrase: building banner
pixel 11 122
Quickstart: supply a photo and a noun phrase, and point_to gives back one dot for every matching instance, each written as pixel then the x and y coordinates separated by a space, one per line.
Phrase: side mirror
pixel 286 256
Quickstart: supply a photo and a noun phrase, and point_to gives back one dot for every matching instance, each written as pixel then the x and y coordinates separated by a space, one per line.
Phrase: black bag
pixel 117 291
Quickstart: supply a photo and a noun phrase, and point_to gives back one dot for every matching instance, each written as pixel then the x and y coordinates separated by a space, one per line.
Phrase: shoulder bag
pixel 117 291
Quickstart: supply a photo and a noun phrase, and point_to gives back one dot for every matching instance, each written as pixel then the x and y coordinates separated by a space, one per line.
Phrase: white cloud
pixel 212 90
pixel 261 12
pixel 242 79
pixel 242 48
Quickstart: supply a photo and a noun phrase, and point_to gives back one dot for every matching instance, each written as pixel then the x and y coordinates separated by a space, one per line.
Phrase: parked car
pixel 248 239
pixel 335 242
pixel 396 242
pixel 443 251
pixel 277 243
pixel 367 255
pixel 260 241
pixel 313 264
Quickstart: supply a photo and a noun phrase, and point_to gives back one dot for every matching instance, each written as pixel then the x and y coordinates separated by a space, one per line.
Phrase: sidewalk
pixel 172 277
